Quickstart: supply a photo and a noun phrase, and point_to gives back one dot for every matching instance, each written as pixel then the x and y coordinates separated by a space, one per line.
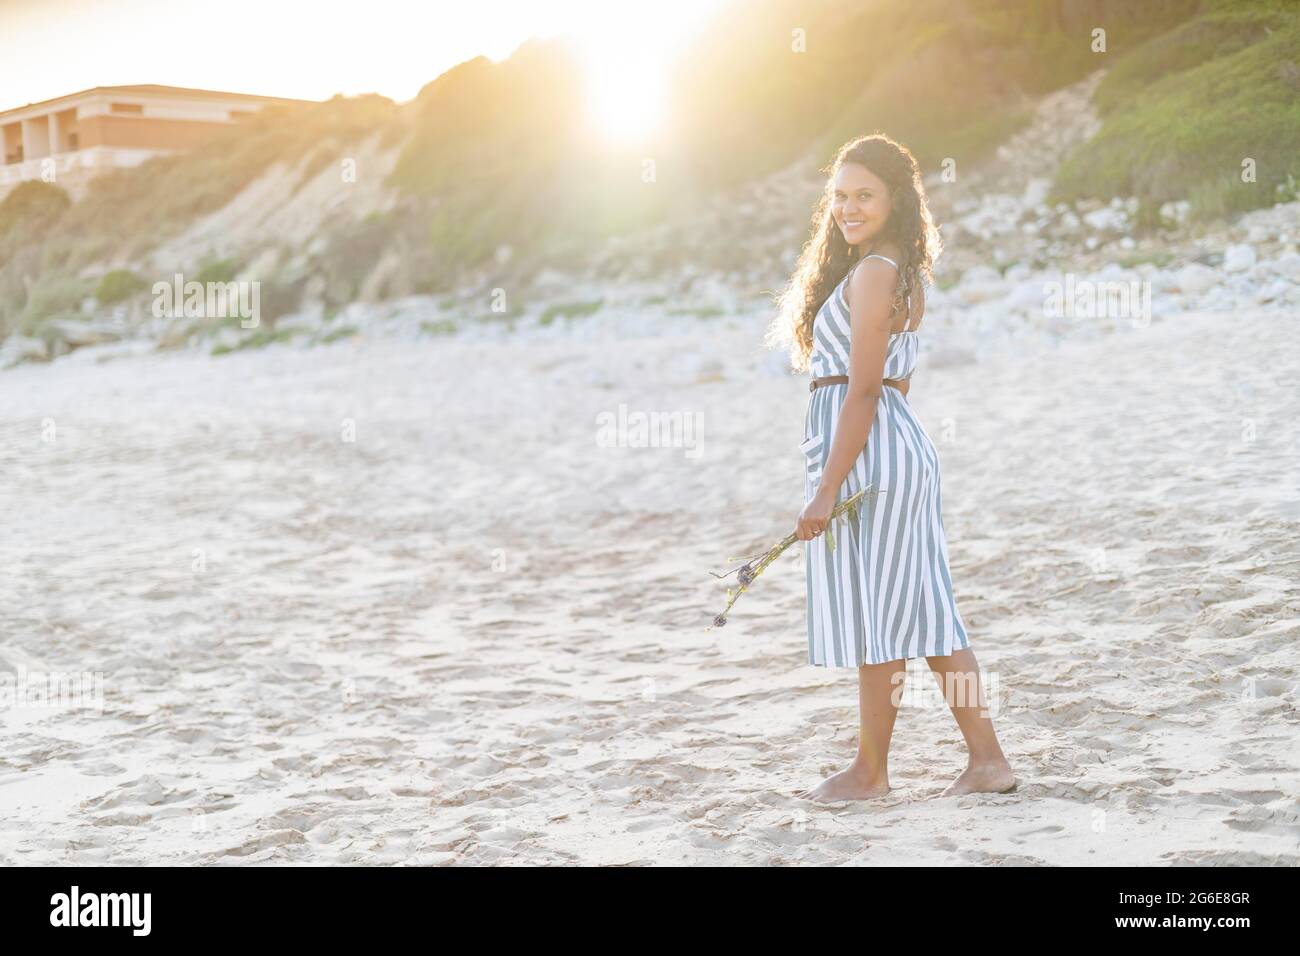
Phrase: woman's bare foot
pixel 855 783
pixel 991 777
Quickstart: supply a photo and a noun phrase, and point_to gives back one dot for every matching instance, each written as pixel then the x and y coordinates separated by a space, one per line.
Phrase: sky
pixel 312 49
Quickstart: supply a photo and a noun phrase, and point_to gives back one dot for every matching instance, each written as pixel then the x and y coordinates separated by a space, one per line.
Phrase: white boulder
pixel 1239 258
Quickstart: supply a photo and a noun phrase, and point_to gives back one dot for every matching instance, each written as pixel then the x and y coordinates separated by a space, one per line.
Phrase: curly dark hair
pixel 827 258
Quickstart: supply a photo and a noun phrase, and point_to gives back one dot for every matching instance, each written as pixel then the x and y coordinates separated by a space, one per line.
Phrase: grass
pixel 569 310
pixel 334 335
pixel 1188 133
pixel 959 78
pixel 261 338
pixel 1159 258
pixel 439 327
pixel 701 312
pixel 216 270
pixel 28 211
pixel 118 285
pixel 1219 32
pixel 51 297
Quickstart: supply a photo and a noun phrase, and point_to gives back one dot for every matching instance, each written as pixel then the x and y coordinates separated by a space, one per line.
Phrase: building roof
pixel 152 89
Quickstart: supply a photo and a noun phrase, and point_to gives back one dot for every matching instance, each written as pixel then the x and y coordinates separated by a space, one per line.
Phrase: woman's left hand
pixel 816 515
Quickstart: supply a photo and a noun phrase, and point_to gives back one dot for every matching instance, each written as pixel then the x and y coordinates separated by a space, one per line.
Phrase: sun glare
pixel 626 94
pixel 628 64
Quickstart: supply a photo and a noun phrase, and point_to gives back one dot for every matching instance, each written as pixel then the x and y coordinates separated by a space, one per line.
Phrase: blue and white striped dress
pixel 884 592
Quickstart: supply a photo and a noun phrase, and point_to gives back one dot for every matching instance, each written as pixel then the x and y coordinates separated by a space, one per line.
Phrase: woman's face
pixel 860 203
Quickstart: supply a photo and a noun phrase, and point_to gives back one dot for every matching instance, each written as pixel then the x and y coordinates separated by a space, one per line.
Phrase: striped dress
pixel 884 592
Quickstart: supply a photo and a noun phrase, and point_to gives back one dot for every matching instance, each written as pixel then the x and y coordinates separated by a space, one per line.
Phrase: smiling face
pixel 859 203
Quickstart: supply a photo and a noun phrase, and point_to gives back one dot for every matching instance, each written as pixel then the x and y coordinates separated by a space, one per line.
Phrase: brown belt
pixel 843 379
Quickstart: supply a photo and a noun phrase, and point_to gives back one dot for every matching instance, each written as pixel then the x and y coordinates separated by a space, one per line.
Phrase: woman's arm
pixel 870 292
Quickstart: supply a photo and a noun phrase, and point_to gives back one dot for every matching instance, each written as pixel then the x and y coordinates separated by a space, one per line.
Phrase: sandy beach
pixel 399 603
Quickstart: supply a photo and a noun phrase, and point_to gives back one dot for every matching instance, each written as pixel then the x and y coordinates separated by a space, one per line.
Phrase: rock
pixel 263 265
pixel 308 320
pixel 1111 271
pixel 1028 294
pixel 1238 258
pixel 977 274
pixel 1176 211
pixel 176 334
pixel 226 338
pixel 1109 218
pixel 313 290
pixel 22 348
pixel 973 293
pixel 551 280
pixel 1196 278
pixel 384 281
pixel 78 334
pixel 1288 263
pixel 1162 281
pixel 1036 191
pixel 1276 291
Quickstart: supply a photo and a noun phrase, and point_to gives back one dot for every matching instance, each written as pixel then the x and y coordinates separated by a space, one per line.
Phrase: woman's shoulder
pixel 860 277
pixel 890 250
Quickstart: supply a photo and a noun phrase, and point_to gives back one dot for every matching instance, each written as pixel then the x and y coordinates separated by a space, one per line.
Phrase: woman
pixel 883 593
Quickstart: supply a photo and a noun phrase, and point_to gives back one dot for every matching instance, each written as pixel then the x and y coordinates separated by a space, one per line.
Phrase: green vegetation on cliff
pixel 1209 111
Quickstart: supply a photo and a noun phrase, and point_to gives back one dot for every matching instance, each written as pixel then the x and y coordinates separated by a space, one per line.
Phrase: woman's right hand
pixel 815 516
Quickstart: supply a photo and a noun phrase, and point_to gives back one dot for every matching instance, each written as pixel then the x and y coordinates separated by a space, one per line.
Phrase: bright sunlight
pixel 628 62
